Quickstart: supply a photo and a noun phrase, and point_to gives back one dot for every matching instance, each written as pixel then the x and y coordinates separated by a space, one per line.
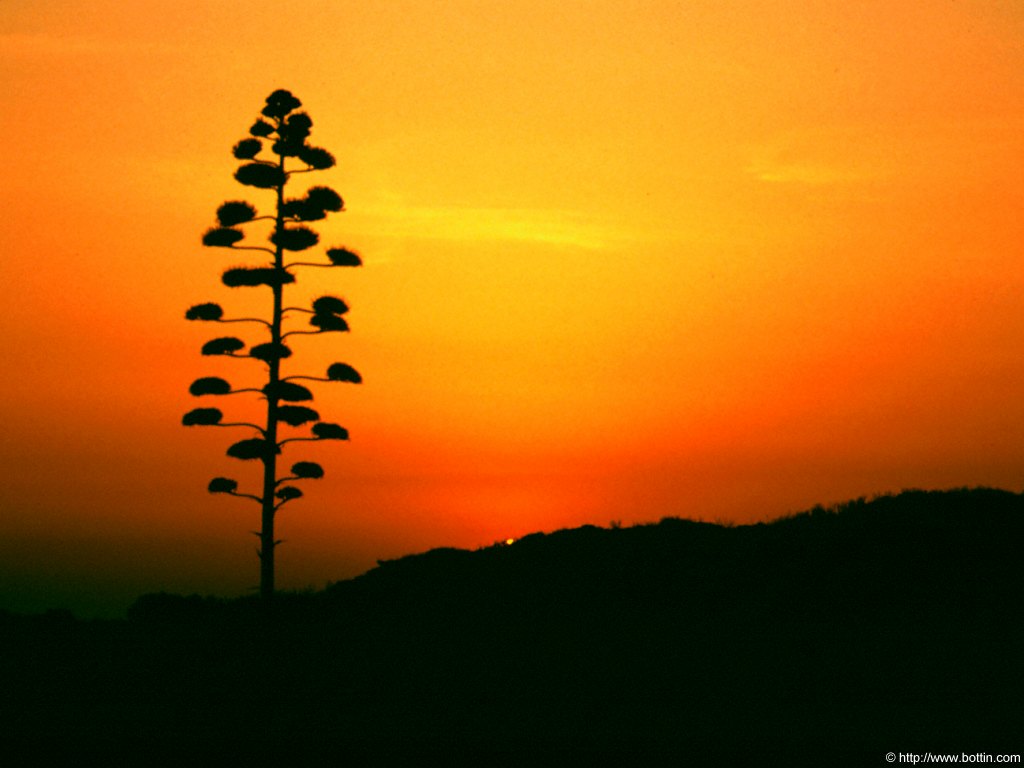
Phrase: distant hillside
pixel 852 559
pixel 886 625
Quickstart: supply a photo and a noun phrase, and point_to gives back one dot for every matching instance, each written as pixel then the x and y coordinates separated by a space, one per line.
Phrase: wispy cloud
pixel 821 156
pixel 468 223
pixel 805 173
pixel 27 45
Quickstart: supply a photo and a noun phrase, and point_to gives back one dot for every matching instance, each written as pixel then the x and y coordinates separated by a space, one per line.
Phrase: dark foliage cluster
pixel 208 311
pixel 832 637
pixel 235 212
pixel 251 449
pixel 343 372
pixel 250 277
pixel 296 415
pixel 222 237
pixel 224 345
pixel 288 391
pixel 209 385
pixel 272 350
pixel 343 257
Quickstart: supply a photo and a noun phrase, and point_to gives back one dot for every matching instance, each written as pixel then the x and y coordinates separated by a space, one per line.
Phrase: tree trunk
pixel 267 542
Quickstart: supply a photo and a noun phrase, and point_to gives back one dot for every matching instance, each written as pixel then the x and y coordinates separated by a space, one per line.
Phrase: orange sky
pixel 623 260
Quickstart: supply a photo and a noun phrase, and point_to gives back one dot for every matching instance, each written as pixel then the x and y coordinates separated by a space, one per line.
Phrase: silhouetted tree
pixel 281 134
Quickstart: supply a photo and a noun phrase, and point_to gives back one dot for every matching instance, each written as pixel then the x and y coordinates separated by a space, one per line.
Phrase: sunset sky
pixel 623 260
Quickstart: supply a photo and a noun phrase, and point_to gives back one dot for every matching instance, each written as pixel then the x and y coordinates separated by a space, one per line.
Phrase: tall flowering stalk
pixel 276 151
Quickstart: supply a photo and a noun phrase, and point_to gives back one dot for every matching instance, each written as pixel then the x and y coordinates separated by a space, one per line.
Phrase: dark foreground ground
pixel 836 636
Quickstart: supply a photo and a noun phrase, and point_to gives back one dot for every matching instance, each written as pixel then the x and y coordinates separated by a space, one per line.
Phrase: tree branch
pixel 300 440
pixel 258 499
pixel 307 264
pixel 251 248
pixel 301 333
pixel 239 424
pixel 244 320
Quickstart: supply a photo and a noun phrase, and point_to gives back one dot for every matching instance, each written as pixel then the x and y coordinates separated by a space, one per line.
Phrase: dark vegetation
pixel 288 153
pixel 835 635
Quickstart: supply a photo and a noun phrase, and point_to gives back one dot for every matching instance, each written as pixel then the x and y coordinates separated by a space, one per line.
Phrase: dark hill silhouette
pixel 835 635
